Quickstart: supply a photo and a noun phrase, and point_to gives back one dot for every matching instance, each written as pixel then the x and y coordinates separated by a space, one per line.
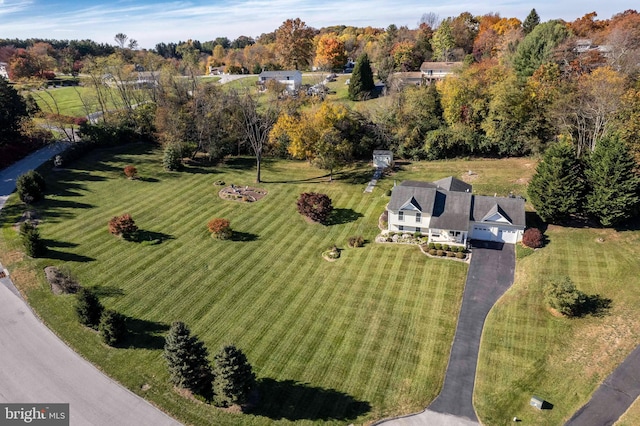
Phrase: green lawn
pixel 527 351
pixel 68 100
pixel 354 340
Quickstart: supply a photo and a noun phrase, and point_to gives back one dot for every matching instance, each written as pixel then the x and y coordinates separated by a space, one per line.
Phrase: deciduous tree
pixel 294 43
pixel 330 52
pixel 12 110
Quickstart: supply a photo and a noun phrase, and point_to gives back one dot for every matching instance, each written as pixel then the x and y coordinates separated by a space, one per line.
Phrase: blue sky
pixel 151 22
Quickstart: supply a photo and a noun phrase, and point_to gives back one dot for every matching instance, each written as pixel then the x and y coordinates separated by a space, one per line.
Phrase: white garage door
pixel 507 236
pixel 493 233
pixel 480 232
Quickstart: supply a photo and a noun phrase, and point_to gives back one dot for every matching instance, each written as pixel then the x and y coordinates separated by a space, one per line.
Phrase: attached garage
pixel 494 233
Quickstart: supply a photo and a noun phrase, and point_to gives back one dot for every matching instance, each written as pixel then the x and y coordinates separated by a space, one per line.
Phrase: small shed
pixel 382 158
pixel 537 402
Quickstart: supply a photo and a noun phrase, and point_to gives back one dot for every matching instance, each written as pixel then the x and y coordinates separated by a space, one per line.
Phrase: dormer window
pixel 418 217
pixel 400 216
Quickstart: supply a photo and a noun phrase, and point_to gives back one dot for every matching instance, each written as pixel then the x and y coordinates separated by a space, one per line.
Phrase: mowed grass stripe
pixel 354 325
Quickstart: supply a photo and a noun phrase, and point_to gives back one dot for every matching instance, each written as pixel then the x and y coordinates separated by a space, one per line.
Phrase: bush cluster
pixel 123 225
pixel 356 241
pixel 131 172
pixel 88 308
pixel 30 186
pixel 532 238
pixel 172 159
pixel 563 296
pixel 220 228
pixel 315 206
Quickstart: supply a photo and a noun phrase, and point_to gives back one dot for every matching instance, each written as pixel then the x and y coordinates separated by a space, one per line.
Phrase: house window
pixel 418 217
pixel 418 229
pixel 400 228
pixel 400 216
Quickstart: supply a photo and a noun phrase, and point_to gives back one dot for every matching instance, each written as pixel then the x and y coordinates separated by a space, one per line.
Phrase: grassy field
pixel 351 341
pixel 68 100
pixel 527 351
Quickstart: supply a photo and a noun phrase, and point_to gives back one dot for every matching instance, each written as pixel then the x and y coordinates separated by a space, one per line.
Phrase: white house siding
pixel 408 223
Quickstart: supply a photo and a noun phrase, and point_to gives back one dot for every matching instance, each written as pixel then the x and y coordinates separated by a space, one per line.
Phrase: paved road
pixel 37 367
pixel 613 397
pixel 490 274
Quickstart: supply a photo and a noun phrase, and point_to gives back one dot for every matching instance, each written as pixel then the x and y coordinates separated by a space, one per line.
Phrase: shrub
pixel 439 252
pixel 433 252
pixel 186 357
pixel 123 226
pixel 533 238
pixel 417 234
pixel 220 228
pixel 438 246
pixel 218 183
pixel 315 206
pixel 33 245
pixel 112 327
pixel 563 296
pixel 356 241
pixel 432 245
pixel 450 254
pixel 460 255
pixel 446 247
pixel 88 308
pixel 131 172
pixel 388 193
pixel 172 159
pixel 30 186
pixel 233 377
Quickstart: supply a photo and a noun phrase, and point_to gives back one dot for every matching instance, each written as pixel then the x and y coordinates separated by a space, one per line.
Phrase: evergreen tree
pixel 12 109
pixel 30 186
pixel 233 377
pixel 186 357
pixel 613 185
pixel 88 308
pixel 33 245
pixel 112 327
pixel 530 22
pixel 538 47
pixel 361 83
pixel 557 188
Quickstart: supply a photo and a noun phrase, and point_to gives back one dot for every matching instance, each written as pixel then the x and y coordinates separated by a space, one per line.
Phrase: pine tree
pixel 233 377
pixel 12 109
pixel 89 309
pixel 186 357
pixel 112 327
pixel 613 185
pixel 361 83
pixel 557 188
pixel 530 22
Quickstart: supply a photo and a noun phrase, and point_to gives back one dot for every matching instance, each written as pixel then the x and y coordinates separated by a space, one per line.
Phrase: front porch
pixel 446 236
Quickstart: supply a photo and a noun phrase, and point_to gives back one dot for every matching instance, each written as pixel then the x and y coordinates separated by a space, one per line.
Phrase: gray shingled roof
pixel 451 205
pixel 511 208
pixel 276 74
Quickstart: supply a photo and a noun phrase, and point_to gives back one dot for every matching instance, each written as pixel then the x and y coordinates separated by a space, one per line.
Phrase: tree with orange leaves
pixel 330 52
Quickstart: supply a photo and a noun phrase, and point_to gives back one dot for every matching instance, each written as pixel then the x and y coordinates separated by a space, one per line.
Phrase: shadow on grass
pixel 148 179
pixel 293 401
pixel 594 305
pixel 358 177
pixel 243 236
pixel 66 257
pixel 59 244
pixel 342 216
pixel 149 238
pixel 143 334
pixel 316 179
pixel 241 163
pixel 107 291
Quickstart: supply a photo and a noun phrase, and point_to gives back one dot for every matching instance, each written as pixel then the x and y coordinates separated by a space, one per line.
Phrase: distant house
pixel 433 71
pixel 215 70
pixel 447 212
pixel 4 70
pixel 292 80
pixel 138 79
pixel 411 78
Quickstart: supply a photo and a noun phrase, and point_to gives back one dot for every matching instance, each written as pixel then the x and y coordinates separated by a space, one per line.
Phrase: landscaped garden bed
pixel 246 194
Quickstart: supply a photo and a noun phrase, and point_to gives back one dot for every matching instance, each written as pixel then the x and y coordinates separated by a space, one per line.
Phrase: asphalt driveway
pixel 613 397
pixel 490 274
